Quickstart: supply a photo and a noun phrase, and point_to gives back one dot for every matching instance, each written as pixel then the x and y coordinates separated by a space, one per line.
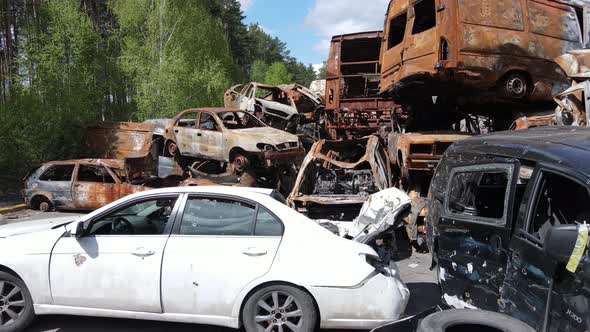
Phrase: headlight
pixel 377 264
pixel 265 147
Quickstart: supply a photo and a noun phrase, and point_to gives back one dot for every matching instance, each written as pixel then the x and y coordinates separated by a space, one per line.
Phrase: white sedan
pixel 208 255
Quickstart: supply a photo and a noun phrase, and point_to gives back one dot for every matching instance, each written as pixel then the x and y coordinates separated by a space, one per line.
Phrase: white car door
pixel 210 138
pixel 185 134
pixel 116 265
pixel 220 245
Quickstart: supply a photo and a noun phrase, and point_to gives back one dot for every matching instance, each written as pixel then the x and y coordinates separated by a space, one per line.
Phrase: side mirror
pixel 560 241
pixel 80 231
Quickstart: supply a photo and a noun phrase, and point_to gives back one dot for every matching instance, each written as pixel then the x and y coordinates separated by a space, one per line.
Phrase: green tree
pixel 322 72
pixel 259 70
pixel 278 74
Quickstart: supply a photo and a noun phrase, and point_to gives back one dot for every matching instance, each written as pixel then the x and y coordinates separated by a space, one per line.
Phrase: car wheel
pixel 241 163
pixel 171 148
pixel 470 320
pixel 280 308
pixel 16 304
pixel 42 204
pixel 516 86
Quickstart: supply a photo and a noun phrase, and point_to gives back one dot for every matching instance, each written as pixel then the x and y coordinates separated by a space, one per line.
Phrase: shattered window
pixel 559 201
pixel 58 173
pixel 397 30
pixel 207 122
pixel 188 120
pixel 92 173
pixel 425 18
pixel 239 120
pixel 479 193
pixel 215 216
pixel 267 224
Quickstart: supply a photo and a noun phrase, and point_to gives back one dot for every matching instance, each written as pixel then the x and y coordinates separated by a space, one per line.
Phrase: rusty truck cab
pixel 483 45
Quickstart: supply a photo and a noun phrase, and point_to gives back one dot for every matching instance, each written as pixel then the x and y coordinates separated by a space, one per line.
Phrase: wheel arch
pixel 40 196
pixel 6 269
pixel 275 283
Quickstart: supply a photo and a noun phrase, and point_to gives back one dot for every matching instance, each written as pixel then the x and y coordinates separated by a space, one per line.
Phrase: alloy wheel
pixel 12 303
pixel 278 312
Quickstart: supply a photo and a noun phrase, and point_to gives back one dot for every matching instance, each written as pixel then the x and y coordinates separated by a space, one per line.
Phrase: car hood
pixel 34 226
pixel 291 110
pixel 267 135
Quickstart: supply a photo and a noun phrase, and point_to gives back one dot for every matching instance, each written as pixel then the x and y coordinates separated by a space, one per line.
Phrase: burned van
pixel 507 226
pixel 500 48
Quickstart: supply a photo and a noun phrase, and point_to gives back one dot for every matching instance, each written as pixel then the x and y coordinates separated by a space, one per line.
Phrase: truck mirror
pixel 560 241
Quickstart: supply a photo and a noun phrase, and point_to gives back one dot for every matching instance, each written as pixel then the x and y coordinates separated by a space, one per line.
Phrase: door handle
pixel 199 134
pixel 456 230
pixel 142 252
pixel 254 252
pixel 176 131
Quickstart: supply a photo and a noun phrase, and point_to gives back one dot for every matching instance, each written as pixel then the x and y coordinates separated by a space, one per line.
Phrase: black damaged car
pixel 507 231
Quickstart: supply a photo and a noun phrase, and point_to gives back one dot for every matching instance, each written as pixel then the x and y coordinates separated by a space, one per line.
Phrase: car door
pixel 210 137
pixel 185 134
pixel 474 230
pixel 559 197
pixel 56 182
pixel 220 245
pixel 421 42
pixel 117 264
pixel 94 187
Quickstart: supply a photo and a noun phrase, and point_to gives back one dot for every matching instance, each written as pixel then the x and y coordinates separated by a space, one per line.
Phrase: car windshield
pixel 239 120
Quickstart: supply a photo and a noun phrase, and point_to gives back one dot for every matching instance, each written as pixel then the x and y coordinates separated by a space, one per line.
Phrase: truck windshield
pixel 239 120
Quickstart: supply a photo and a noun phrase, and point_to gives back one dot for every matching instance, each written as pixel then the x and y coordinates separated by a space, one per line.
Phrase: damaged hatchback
pixel 221 256
pixel 507 226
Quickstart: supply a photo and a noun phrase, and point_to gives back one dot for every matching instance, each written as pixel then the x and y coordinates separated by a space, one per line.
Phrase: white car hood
pixel 267 135
pixel 291 110
pixel 33 226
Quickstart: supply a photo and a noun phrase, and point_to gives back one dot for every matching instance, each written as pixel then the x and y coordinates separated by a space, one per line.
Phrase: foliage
pixel 278 74
pixel 259 69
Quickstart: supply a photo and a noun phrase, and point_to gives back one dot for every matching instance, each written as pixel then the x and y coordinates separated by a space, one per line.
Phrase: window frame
pixel 489 168
pixel 571 175
pixel 407 15
pixel 108 171
pixel 180 118
pixel 72 176
pixel 213 117
pixel 180 215
pixel 415 15
pixel 169 227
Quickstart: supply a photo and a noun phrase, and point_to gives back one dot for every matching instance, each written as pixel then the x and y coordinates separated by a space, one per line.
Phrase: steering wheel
pixel 122 226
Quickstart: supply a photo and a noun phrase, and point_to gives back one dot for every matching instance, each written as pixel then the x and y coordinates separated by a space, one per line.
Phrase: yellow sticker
pixel 579 249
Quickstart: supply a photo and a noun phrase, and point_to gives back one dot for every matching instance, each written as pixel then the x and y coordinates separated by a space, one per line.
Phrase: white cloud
pixel 317 67
pixel 246 4
pixel 329 18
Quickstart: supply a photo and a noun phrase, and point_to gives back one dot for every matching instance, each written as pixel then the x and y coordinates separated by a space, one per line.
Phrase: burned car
pixel 273 105
pixel 337 177
pixel 573 103
pixel 227 136
pixel 507 226
pixel 83 184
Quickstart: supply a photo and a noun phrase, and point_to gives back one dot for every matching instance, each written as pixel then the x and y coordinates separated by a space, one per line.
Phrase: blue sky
pixel 307 25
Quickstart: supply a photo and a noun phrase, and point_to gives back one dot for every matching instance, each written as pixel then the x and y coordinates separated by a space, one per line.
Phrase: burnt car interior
pixel 144 218
pixel 476 193
pixel 58 173
pixel 275 94
pixel 360 67
pixel 239 120
pixel 92 173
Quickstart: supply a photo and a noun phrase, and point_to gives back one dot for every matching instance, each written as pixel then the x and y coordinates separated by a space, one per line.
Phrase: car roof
pixel 212 109
pixel 563 145
pixel 213 189
pixel 113 163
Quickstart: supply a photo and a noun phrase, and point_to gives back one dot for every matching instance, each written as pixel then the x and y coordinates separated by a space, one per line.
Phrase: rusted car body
pixel 83 184
pixel 573 103
pixel 228 136
pixel 353 106
pixel 500 48
pixel 337 177
pixel 416 155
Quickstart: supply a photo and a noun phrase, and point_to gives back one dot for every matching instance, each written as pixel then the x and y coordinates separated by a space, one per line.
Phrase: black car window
pixel 267 224
pixel 559 200
pixel 397 30
pixel 58 173
pixel 146 217
pixel 425 18
pixel 93 173
pixel 216 216
pixel 480 193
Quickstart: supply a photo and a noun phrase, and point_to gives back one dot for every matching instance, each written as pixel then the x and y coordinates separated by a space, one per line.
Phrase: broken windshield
pixel 239 120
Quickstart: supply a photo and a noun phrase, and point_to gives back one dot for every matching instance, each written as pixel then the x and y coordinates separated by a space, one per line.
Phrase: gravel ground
pixel 414 271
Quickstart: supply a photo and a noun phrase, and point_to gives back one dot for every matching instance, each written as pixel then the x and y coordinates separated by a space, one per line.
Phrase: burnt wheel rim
pixel 12 303
pixel 172 148
pixel 516 86
pixel 44 206
pixel 278 312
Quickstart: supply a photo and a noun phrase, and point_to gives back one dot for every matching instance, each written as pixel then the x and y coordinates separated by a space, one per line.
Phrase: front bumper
pixel 380 300
pixel 271 158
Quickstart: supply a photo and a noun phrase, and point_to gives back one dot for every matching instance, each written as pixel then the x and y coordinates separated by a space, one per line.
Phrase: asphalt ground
pixel 414 271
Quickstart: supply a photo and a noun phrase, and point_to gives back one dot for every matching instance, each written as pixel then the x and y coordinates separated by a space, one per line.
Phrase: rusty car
pixel 229 136
pixel 354 108
pixel 504 47
pixel 573 103
pixel 273 105
pixel 505 214
pixel 337 177
pixel 82 184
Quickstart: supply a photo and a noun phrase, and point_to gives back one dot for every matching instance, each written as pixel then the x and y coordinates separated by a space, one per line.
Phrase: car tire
pixel 516 86
pixel 171 149
pixel 16 304
pixel 295 310
pixel 471 320
pixel 42 204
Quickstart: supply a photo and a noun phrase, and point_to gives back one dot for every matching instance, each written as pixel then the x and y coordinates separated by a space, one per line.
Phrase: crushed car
pixel 282 107
pixel 574 103
pixel 82 184
pixel 337 177
pixel 507 226
pixel 227 136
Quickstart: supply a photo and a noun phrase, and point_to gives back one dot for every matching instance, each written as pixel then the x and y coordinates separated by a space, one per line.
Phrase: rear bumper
pixel 380 300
